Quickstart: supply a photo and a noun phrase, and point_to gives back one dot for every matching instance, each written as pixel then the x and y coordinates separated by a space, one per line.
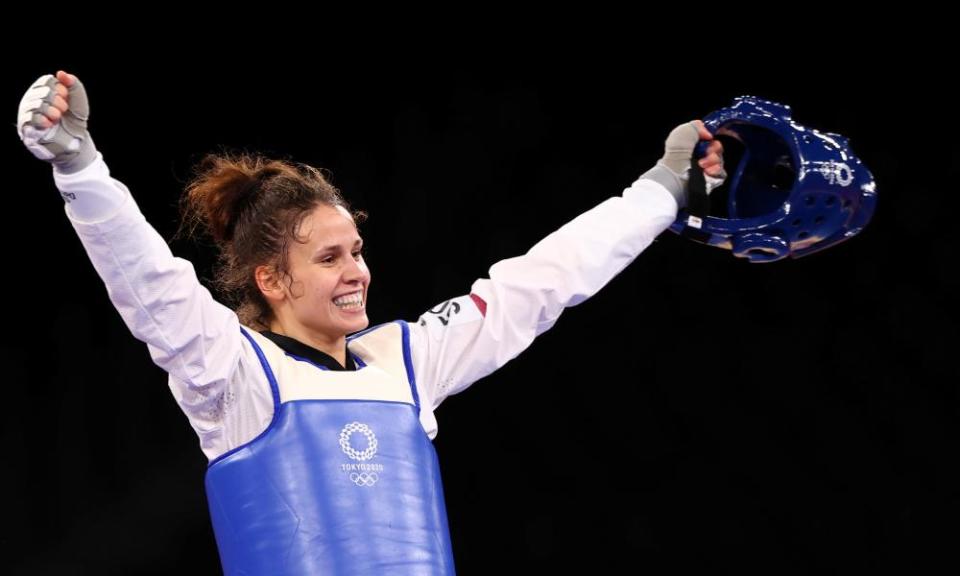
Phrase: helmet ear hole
pixel 765 174
pixel 783 174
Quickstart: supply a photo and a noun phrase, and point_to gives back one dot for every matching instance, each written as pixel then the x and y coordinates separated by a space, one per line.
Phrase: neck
pixel 336 348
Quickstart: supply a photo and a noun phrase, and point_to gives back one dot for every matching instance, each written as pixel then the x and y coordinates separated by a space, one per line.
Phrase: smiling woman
pixel 318 429
pixel 291 259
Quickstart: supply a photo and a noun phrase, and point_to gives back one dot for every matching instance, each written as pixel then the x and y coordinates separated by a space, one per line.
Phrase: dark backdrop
pixel 699 413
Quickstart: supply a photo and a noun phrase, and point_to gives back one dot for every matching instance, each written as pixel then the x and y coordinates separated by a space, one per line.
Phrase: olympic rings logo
pixel 364 478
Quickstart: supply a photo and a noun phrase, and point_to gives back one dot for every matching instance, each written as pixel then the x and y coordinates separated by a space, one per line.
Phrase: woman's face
pixel 329 279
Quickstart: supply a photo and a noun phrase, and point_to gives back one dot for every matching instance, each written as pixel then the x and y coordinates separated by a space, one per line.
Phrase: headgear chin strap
pixel 794 192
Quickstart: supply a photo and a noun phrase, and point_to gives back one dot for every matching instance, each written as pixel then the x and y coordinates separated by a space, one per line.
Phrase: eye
pixel 357 254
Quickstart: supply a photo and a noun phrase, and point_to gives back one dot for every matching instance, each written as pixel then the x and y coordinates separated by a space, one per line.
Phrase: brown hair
pixel 252 206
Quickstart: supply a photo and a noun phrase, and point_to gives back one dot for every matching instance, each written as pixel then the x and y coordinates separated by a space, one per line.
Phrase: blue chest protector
pixel 334 485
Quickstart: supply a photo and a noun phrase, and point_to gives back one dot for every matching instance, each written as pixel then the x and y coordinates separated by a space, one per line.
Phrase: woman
pixel 318 428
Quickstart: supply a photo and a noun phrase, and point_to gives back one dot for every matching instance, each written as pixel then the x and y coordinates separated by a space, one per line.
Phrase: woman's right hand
pixel 52 122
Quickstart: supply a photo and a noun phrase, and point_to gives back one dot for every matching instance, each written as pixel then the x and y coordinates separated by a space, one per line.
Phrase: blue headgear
pixel 794 192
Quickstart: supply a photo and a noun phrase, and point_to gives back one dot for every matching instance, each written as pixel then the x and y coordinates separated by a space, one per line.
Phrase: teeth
pixel 354 300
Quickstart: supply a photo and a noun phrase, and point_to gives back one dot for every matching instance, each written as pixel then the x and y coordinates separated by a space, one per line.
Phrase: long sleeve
pixel 214 374
pixel 464 339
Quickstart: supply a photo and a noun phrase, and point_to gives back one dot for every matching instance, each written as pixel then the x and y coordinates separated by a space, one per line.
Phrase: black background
pixel 699 413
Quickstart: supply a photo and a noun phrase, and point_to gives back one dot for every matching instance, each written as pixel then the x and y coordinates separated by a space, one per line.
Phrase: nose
pixel 355 271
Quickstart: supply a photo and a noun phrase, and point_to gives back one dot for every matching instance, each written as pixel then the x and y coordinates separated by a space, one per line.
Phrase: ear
pixel 268 281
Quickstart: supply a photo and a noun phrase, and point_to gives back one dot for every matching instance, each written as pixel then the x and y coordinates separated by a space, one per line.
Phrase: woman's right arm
pixel 190 335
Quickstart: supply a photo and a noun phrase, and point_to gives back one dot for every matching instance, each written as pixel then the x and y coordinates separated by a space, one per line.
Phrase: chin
pixel 359 324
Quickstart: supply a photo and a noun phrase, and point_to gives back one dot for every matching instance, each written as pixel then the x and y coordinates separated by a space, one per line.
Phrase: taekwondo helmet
pixel 794 191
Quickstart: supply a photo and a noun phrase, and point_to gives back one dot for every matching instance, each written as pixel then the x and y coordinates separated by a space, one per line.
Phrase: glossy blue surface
pixel 795 190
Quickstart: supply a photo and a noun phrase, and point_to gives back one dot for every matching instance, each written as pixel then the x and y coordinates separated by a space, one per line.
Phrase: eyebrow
pixel 336 247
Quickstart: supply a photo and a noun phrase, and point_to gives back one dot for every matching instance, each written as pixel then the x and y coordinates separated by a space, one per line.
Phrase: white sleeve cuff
pixel 651 194
pixel 91 194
